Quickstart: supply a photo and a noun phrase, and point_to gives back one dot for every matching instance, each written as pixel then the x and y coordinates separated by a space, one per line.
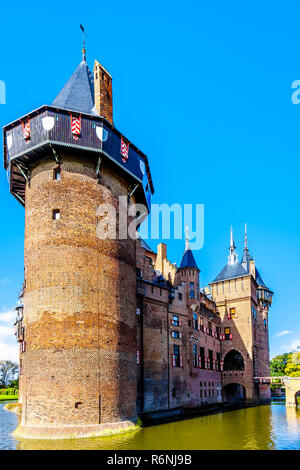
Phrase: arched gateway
pixel 234 392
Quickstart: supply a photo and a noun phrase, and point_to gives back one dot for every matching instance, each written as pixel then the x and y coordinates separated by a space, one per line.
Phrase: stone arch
pixel 297 398
pixel 234 392
pixel 233 360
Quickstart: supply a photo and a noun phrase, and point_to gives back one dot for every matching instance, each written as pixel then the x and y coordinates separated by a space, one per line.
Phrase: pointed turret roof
pixel 259 279
pixel 233 268
pixel 188 260
pixel 78 92
pixel 246 255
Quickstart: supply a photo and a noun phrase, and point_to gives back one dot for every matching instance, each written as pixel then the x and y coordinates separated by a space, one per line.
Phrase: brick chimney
pixel 103 92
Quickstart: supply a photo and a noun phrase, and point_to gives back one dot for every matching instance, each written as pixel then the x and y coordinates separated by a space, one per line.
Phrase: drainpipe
pixel 142 357
pixel 168 352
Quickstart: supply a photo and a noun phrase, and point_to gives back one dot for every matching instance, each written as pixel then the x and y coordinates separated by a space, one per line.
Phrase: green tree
pixel 278 364
pixel 292 368
pixel 8 373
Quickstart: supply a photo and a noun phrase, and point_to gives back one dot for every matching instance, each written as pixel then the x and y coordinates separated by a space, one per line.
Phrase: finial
pixel 187 238
pixel 232 245
pixel 232 258
pixel 246 238
pixel 83 43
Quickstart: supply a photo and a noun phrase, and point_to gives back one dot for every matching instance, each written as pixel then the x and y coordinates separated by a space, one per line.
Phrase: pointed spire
pixel 246 255
pixel 83 44
pixel 232 245
pixel 188 260
pixel 232 258
pixel 246 238
pixel 187 238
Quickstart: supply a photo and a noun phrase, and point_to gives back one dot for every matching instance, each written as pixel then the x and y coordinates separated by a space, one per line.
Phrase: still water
pixel 263 427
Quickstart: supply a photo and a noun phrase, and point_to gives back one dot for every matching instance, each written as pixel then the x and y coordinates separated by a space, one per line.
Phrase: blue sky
pixel 204 88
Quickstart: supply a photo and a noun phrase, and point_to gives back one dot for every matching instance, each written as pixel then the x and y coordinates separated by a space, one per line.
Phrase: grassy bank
pixel 8 397
pixel 9 394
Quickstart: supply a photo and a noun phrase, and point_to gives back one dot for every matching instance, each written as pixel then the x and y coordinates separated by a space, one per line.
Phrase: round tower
pixel 78 368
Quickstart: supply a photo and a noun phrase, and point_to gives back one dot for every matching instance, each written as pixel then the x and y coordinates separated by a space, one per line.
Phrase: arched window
pixel 234 361
pixel 195 321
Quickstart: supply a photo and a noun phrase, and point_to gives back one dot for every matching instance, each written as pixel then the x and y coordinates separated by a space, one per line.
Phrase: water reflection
pixel 262 427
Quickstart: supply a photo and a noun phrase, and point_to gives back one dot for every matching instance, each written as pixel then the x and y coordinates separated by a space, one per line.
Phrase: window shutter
pixel 208 363
pixel 230 336
pixel 228 315
pixel 138 359
pixel 221 365
pixel 180 361
pixel 75 126
pixel 180 335
pixel 26 130
pixel 179 323
pixel 205 363
pixel 173 360
pixel 199 362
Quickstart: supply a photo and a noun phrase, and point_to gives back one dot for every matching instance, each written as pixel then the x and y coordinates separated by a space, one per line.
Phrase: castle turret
pixel 188 271
pixel 69 167
pixel 245 347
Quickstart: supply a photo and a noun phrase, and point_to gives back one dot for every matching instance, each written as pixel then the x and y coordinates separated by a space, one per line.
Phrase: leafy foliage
pixel 278 364
pixel 8 373
pixel 293 365
pixel 286 364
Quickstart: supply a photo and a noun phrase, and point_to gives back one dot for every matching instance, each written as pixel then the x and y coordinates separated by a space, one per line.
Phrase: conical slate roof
pixel 78 92
pixel 246 259
pixel 145 245
pixel 259 280
pixel 188 260
pixel 230 271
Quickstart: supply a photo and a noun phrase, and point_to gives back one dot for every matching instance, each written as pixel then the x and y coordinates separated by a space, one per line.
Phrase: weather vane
pixel 83 42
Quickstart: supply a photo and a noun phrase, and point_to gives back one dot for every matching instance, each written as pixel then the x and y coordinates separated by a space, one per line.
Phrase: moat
pixel 267 427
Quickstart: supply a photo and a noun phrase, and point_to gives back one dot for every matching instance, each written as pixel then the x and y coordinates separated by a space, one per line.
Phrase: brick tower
pixel 243 301
pixel 77 332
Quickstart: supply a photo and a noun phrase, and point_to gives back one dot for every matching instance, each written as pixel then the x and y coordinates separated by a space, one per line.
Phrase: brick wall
pixel 79 366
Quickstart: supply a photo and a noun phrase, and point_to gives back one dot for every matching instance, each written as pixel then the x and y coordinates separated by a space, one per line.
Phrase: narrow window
pixel 211 363
pixel 195 357
pixel 176 356
pixel 232 313
pixel 179 296
pixel 227 333
pixel 56 214
pixel 56 174
pixel 202 356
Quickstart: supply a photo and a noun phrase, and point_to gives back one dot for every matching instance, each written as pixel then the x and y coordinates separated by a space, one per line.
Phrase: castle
pixel 110 330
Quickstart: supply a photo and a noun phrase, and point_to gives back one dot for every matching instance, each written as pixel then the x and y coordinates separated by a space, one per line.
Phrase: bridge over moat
pixel 291 384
